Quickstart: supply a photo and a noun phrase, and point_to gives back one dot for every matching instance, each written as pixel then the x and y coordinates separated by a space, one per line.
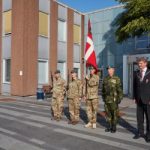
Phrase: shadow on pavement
pixel 127 126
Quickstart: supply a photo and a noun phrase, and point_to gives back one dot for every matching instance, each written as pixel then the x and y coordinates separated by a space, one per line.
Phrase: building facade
pixel 39 36
pixel 36 38
pixel 108 51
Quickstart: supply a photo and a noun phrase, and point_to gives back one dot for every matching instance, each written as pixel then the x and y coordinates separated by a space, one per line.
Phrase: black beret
pixel 110 66
pixel 73 71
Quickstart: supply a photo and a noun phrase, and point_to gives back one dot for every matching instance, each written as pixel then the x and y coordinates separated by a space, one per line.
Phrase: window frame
pixel 65 32
pixel 4 71
pixel 47 71
pixel 41 34
pixel 4 27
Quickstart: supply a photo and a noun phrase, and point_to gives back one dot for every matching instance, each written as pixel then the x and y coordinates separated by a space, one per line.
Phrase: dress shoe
pixel 138 136
pixel 147 140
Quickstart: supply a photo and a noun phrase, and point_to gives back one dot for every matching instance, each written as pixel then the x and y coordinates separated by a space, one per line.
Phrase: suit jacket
pixel 141 89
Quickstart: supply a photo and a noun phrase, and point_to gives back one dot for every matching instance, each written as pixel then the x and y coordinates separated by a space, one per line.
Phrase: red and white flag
pixel 90 56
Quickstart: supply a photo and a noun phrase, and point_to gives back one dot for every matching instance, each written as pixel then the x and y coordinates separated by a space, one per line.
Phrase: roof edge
pixel 64 5
pixel 104 9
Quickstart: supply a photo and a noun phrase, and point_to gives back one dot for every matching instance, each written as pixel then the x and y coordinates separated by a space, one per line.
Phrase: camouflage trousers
pixel 92 108
pixel 111 110
pixel 57 106
pixel 74 109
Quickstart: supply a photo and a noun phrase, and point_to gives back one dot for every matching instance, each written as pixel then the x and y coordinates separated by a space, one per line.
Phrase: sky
pixel 89 5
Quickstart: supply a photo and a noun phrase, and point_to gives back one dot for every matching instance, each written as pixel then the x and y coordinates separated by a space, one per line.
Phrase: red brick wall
pixel 24 52
pixel 53 36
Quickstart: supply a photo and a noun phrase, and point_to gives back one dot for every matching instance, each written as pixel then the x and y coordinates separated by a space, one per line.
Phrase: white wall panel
pixel 77 19
pixel 44 6
pixel 43 48
pixel 76 53
pixel 7 5
pixel 6 47
pixel 62 12
pixel 62 51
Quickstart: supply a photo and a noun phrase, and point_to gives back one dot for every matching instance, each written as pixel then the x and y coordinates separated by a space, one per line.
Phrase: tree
pixel 134 21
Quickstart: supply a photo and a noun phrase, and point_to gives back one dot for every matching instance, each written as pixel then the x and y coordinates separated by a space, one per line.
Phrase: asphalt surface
pixel 25 124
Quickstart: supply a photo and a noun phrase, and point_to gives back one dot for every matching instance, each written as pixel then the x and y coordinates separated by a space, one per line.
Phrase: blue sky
pixel 89 5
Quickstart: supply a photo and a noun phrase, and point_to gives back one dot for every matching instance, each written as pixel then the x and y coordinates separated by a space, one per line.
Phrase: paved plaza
pixel 25 124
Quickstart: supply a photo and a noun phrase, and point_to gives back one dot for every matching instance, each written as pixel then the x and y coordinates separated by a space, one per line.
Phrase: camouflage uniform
pixel 58 97
pixel 92 98
pixel 74 93
pixel 112 95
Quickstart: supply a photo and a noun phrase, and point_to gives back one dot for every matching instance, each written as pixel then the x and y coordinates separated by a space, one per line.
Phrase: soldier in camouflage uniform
pixel 112 95
pixel 74 95
pixel 58 91
pixel 92 99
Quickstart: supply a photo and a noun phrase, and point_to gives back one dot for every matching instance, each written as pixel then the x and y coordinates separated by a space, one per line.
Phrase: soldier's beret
pixel 91 67
pixel 110 66
pixel 73 71
pixel 57 71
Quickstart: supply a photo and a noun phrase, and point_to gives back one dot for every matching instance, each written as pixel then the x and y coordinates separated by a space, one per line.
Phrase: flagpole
pixel 90 56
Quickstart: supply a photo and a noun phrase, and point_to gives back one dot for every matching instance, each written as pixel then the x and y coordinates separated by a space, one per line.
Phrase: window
pixel 62 67
pixel 62 31
pixel 43 72
pixel 43 24
pixel 77 34
pixel 142 42
pixel 6 70
pixel 76 66
pixel 7 22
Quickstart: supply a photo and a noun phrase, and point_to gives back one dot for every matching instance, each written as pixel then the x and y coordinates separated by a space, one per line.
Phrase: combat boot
pixel 55 117
pixel 58 119
pixel 75 122
pixel 94 125
pixel 108 129
pixel 70 122
pixel 89 125
pixel 113 130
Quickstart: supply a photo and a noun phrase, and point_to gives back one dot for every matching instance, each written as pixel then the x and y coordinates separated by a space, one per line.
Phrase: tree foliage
pixel 134 21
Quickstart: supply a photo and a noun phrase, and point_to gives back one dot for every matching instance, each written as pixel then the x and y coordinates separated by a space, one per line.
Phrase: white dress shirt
pixel 143 72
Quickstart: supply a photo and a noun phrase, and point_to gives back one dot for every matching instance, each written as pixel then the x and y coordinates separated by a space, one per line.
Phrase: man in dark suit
pixel 141 90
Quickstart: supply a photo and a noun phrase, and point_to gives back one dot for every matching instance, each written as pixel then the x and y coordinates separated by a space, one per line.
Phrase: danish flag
pixel 90 56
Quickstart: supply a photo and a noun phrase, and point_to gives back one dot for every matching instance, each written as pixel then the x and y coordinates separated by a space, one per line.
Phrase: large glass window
pixel 76 66
pixel 43 72
pixel 62 31
pixel 7 22
pixel 77 34
pixel 6 70
pixel 43 24
pixel 142 42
